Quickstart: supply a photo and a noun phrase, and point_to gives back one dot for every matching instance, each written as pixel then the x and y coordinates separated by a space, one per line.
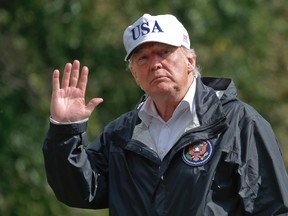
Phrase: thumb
pixel 93 103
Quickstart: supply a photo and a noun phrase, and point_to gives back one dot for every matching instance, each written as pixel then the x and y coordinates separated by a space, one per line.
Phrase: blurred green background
pixel 245 40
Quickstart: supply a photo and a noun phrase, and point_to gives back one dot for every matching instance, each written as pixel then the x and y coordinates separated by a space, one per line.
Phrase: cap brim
pixel 160 40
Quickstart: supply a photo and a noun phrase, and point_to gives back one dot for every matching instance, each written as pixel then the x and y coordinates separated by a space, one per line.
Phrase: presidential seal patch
pixel 198 154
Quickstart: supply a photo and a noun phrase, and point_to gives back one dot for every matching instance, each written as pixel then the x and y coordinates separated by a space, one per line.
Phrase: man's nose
pixel 156 62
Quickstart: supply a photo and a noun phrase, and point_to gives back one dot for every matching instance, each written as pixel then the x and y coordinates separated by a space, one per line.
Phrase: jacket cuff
pixel 73 129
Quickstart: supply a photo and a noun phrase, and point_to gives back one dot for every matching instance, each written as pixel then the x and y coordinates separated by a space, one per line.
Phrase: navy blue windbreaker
pixel 230 165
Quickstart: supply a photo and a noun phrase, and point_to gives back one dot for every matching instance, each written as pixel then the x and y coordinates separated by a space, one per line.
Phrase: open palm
pixel 68 100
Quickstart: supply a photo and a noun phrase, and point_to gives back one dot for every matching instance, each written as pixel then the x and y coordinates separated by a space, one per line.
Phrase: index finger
pixel 83 79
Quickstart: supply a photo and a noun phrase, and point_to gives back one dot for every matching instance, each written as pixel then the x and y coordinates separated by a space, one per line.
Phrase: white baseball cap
pixel 161 28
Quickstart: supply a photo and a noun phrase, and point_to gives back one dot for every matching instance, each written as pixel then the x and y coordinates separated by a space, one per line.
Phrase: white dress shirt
pixel 165 134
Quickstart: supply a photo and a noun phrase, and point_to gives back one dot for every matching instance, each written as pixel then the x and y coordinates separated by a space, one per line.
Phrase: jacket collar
pixel 224 85
pixel 208 104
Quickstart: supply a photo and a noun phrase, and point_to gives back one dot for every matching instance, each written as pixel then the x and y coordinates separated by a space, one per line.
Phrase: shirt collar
pixel 148 110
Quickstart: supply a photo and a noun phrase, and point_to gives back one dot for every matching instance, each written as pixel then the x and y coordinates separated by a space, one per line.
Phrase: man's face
pixel 160 68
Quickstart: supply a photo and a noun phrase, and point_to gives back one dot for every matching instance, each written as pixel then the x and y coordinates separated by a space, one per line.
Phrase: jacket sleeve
pixel 74 179
pixel 263 178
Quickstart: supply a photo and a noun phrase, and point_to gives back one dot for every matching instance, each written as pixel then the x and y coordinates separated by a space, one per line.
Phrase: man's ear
pixel 191 61
pixel 134 74
pixel 190 64
pixel 132 71
pixel 190 67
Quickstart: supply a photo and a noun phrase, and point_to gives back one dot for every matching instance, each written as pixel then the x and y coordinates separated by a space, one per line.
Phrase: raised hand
pixel 68 100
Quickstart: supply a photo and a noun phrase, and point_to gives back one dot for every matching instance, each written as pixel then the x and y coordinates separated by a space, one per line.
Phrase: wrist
pixel 66 123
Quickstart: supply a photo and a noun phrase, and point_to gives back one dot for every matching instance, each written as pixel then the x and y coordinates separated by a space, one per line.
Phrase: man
pixel 189 148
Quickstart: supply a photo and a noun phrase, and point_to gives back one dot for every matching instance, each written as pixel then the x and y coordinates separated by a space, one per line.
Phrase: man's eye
pixel 166 52
pixel 141 58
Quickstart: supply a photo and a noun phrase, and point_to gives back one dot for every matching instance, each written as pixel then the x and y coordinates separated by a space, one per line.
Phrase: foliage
pixel 244 40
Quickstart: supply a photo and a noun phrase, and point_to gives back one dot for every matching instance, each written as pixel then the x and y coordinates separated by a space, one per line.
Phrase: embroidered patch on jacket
pixel 198 154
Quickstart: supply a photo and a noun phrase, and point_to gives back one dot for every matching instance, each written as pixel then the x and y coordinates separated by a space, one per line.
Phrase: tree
pixel 243 40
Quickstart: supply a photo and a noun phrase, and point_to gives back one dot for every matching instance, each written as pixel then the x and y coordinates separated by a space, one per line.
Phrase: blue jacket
pixel 230 165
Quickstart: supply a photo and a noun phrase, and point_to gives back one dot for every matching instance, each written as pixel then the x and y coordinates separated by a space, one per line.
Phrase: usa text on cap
pixel 161 28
